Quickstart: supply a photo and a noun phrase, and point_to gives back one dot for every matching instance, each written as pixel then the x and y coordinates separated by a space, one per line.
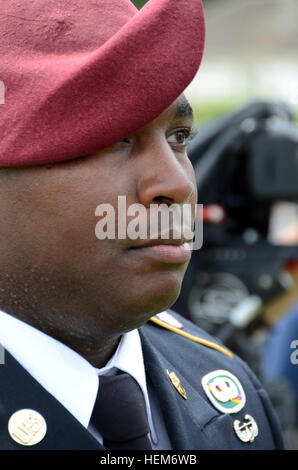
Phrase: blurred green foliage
pixel 139 3
pixel 207 111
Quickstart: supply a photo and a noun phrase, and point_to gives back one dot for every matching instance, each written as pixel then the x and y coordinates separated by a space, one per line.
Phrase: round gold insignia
pixel 27 427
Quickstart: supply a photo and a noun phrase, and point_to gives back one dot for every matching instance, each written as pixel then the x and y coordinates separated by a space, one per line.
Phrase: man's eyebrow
pixel 183 109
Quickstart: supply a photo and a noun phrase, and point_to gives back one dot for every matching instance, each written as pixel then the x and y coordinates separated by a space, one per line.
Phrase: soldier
pixel 94 109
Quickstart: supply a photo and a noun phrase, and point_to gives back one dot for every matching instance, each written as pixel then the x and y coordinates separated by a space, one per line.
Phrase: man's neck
pixel 96 347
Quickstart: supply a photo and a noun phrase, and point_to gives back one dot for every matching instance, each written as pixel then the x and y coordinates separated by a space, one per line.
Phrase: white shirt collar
pixel 65 374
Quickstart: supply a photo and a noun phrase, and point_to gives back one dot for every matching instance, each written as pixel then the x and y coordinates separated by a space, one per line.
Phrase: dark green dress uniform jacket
pixel 192 423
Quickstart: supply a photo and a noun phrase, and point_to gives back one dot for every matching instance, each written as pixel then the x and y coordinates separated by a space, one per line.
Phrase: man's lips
pixel 160 241
pixel 166 250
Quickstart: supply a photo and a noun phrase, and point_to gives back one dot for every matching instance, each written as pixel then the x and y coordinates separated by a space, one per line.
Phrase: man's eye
pixel 180 137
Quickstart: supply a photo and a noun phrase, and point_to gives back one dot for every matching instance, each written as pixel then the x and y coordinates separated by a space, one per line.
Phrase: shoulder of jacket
pixel 172 321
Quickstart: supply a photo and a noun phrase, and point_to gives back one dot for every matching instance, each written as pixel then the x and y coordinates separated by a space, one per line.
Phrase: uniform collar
pixel 65 374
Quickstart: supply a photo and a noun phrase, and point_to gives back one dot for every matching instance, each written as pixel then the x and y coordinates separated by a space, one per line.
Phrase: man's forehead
pixel 183 108
pixel 178 110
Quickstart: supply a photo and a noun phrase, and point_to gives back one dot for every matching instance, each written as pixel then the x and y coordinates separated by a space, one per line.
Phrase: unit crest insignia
pixel 224 391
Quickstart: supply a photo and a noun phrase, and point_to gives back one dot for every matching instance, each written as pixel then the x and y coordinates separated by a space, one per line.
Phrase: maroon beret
pixel 80 75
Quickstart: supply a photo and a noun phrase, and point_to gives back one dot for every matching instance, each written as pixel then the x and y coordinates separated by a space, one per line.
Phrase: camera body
pixel 244 163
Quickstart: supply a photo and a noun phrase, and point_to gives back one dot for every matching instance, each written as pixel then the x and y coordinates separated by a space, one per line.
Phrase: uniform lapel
pixel 19 390
pixel 184 418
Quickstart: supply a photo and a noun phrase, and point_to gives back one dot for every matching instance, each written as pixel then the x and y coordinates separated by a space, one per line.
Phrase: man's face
pixel 48 227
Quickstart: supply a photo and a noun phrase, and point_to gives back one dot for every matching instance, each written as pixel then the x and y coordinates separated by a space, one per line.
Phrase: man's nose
pixel 165 177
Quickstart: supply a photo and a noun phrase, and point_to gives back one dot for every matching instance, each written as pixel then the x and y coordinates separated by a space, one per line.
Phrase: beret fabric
pixel 80 75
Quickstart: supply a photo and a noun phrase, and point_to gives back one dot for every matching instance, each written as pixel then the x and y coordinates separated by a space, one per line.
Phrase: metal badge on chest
pixel 226 394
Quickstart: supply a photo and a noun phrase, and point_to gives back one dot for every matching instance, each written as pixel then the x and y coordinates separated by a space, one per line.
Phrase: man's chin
pixel 151 303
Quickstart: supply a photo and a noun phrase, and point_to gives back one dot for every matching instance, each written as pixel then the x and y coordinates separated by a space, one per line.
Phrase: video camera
pixel 245 163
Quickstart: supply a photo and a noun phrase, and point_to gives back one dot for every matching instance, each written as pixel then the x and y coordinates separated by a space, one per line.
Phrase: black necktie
pixel 119 414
